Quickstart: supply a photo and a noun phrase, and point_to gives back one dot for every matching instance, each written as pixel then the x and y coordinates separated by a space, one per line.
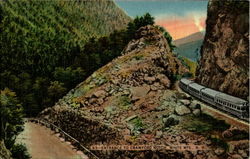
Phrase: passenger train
pixel 221 101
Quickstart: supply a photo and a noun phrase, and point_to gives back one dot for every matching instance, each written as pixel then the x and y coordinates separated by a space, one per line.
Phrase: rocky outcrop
pixel 4 153
pixel 224 63
pixel 133 101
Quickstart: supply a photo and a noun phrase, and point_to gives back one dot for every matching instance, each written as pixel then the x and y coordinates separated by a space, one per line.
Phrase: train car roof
pixel 230 98
pixel 210 92
pixel 196 86
pixel 186 81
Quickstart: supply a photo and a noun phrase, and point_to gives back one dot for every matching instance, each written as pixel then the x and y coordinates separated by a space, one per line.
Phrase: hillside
pixel 190 38
pixel 47 47
pixel 133 100
pixel 224 63
pixel 31 29
pixel 189 46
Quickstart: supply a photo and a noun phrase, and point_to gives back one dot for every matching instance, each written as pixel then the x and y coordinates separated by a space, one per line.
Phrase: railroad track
pixel 218 113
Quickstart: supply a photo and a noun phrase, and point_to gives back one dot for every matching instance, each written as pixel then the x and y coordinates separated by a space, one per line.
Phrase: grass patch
pixel 75 105
pixel 124 102
pixel 83 90
pixel 199 127
pixel 206 124
pixel 138 57
pixel 218 125
pixel 138 125
pixel 99 79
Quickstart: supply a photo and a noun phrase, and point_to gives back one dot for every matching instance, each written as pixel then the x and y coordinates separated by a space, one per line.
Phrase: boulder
pixel 149 80
pixel 100 101
pixel 195 105
pixel 166 82
pixel 139 92
pixel 100 93
pixel 153 88
pixel 227 134
pixel 219 151
pixel 158 134
pixel 170 121
pixel 236 156
pixel 185 102
pixel 92 100
pixel 182 110
pixel 197 112
pixel 231 148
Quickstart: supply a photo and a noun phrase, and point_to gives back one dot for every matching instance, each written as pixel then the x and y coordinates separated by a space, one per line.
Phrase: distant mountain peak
pixel 190 38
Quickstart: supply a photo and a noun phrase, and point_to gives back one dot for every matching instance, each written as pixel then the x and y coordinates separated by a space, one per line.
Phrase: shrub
pixel 19 151
pixel 218 142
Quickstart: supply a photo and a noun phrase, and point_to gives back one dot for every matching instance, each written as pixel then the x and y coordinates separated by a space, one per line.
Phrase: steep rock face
pixel 4 153
pixel 224 64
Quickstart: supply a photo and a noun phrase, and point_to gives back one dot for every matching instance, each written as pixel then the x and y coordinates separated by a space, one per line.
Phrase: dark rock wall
pixel 224 64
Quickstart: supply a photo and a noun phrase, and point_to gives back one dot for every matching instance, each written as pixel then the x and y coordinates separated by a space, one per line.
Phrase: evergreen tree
pixel 11 117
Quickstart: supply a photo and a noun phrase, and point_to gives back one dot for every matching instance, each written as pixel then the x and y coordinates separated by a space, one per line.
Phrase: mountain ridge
pixel 190 38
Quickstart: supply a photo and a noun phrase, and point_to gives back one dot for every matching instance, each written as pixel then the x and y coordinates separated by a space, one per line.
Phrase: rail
pixel 54 127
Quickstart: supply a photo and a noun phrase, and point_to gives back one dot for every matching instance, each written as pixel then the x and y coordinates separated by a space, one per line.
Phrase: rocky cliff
pixel 224 64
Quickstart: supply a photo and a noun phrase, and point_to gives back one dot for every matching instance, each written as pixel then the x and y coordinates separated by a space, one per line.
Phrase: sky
pixel 179 17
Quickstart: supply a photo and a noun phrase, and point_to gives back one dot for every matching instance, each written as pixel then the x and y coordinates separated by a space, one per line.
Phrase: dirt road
pixel 42 143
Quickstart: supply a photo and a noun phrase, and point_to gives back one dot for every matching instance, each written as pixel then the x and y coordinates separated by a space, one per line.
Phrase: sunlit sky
pixel 180 17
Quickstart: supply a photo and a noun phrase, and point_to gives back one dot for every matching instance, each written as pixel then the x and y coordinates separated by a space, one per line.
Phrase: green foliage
pixel 239 135
pixel 137 125
pixel 206 124
pixel 47 49
pixel 75 105
pixel 19 151
pixel 218 142
pixel 138 22
pixel 40 42
pixel 124 102
pixel 138 57
pixel 176 77
pixel 168 37
pixel 56 90
pixel 11 122
pixel 187 75
pixel 38 36
pixel 70 77
pixel 191 65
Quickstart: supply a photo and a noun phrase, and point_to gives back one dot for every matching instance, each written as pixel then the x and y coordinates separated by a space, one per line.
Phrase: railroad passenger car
pixel 208 95
pixel 232 105
pixel 195 89
pixel 184 84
